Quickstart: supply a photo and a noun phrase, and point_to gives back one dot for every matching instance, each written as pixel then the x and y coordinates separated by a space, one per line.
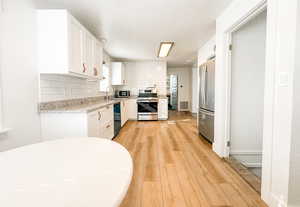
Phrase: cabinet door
pixel 93 124
pixel 107 130
pixel 132 109
pixel 163 109
pixel 97 59
pixel 123 80
pixel 118 73
pixel 126 110
pixel 88 53
pixel 76 39
pixel 123 113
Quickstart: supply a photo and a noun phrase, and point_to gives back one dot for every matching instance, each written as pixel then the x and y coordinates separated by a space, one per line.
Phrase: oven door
pixel 147 110
pixel 147 107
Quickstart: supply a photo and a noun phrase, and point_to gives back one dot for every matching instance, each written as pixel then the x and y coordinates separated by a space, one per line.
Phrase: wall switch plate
pixel 283 79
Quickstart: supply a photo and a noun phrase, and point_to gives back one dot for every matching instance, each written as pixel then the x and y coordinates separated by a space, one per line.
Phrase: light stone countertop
pixel 82 108
pixel 89 106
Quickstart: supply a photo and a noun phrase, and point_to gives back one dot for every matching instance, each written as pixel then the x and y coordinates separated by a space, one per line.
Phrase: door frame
pixel 261 8
pixel 221 146
pixel 177 92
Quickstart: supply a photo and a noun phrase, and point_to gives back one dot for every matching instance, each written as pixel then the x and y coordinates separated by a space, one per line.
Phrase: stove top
pixel 147 95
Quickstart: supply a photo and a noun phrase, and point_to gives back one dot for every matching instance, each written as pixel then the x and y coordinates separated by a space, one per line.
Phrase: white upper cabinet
pixel 88 53
pixel 98 59
pixel 76 47
pixel 118 73
pixel 66 47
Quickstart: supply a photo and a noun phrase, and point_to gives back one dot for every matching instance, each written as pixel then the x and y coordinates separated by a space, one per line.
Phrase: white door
pixel 94 124
pixel 76 47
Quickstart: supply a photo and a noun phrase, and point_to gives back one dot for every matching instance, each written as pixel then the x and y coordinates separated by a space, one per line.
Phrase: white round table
pixel 79 172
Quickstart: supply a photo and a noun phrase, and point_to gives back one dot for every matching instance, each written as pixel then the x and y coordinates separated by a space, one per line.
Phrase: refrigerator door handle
pixel 204 86
pixel 205 91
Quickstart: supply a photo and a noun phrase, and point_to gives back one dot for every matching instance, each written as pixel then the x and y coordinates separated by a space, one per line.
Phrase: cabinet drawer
pixel 106 114
pixel 107 130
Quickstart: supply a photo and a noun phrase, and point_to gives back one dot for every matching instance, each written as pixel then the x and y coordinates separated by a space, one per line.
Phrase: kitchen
pixel 85 98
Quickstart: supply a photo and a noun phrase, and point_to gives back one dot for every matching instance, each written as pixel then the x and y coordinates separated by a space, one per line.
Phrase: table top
pixel 77 172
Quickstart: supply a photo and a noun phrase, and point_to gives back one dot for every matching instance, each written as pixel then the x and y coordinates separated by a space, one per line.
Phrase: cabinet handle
pixel 95 71
pixel 99 116
pixel 84 68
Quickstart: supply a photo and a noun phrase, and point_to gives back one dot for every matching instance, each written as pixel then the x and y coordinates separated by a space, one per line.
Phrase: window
pixel 104 83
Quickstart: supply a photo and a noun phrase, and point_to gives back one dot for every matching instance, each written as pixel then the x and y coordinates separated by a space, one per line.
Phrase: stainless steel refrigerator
pixel 206 111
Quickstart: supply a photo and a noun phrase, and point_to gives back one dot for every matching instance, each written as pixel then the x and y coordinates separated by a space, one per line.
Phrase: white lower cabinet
pixel 59 125
pixel 124 114
pixel 93 124
pixel 163 109
pixel 131 106
pixel 106 122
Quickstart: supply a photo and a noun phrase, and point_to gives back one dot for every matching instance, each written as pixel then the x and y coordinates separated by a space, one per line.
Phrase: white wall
pixel 204 53
pixel 280 66
pixel 143 74
pixel 294 182
pixel 184 75
pixel 19 74
pixel 195 83
pixel 247 91
pixel 59 87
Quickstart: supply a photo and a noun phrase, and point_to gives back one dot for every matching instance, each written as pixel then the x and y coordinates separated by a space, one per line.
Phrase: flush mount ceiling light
pixel 164 49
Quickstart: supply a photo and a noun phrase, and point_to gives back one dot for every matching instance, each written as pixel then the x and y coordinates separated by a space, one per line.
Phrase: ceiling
pixel 134 28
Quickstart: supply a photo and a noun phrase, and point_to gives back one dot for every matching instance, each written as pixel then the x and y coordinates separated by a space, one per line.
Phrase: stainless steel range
pixel 147 105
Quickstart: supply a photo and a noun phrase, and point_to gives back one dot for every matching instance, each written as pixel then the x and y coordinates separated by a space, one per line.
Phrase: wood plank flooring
pixel 173 167
pixel 253 180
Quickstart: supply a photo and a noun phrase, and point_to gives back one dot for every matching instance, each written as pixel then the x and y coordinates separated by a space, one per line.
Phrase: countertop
pixel 67 172
pixel 82 108
pixel 87 107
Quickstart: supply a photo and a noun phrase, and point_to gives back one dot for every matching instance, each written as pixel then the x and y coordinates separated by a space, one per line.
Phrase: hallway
pixel 173 167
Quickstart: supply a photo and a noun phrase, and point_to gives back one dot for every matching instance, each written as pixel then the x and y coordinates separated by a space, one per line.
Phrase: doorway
pixel 248 55
pixel 173 92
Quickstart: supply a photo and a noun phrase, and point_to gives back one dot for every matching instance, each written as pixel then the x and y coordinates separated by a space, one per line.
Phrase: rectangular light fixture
pixel 164 49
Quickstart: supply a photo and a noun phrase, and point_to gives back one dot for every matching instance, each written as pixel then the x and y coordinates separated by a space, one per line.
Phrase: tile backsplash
pixel 61 87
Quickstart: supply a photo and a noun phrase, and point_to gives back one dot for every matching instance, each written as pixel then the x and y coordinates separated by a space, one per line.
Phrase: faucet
pixel 107 92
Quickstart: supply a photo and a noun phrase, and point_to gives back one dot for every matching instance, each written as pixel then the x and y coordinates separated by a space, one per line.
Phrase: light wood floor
pixel 173 167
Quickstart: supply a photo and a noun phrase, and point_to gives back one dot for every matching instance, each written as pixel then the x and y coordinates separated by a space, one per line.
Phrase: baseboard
pixel 277 202
pixel 194 114
pixel 250 159
pixel 252 164
pixel 246 153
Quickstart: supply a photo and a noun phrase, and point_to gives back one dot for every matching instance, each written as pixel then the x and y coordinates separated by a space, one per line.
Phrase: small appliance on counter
pixel 147 105
pixel 122 94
